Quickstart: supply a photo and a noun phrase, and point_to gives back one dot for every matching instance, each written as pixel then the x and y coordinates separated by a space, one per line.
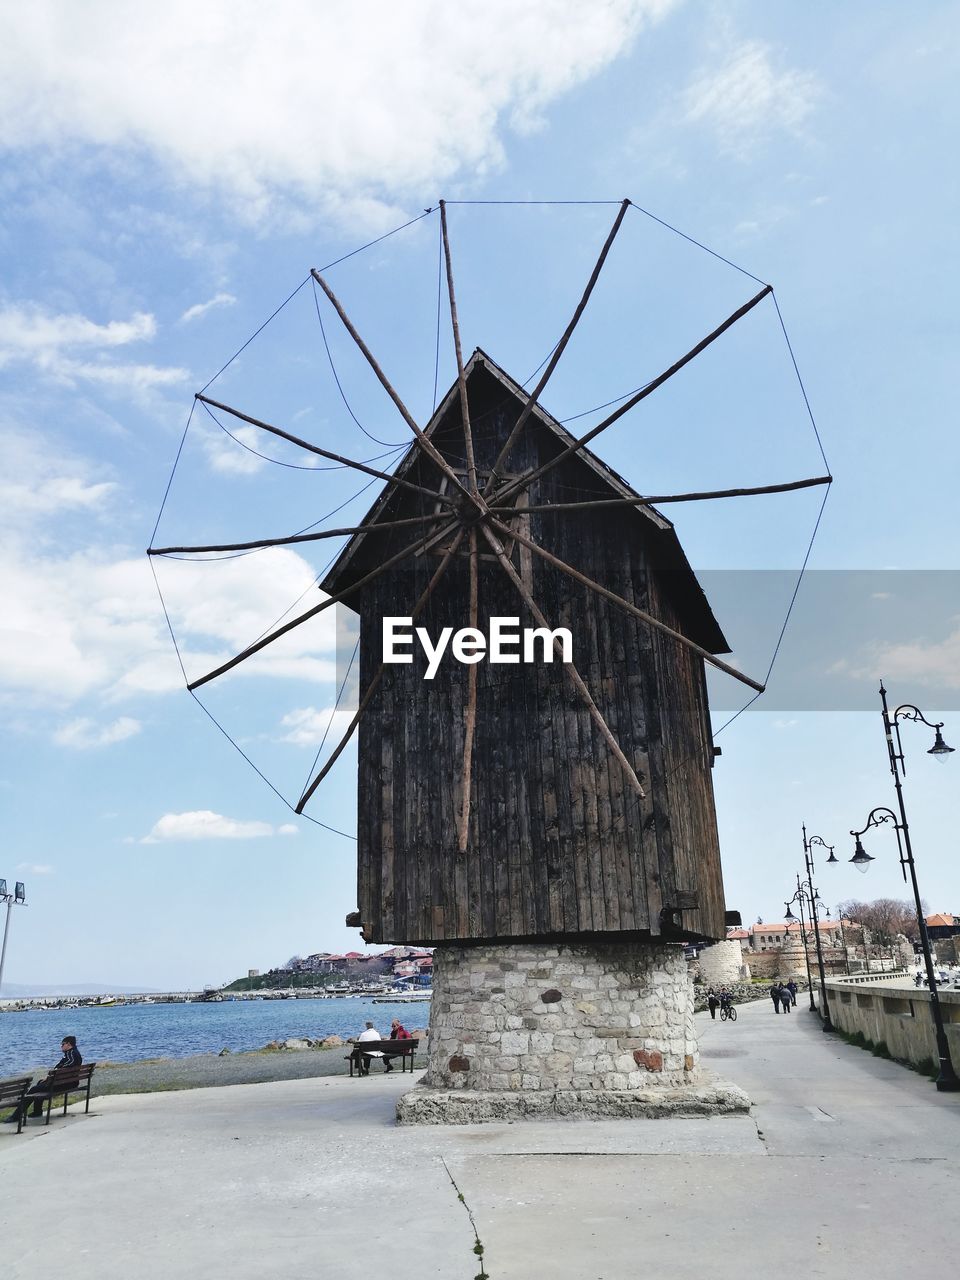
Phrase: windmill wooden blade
pixel 293 538
pixel 557 353
pixel 409 550
pixel 377 677
pixel 648 390
pixel 314 448
pixel 470 711
pixel 658 499
pixel 427 445
pixel 455 325
pixel 569 668
pixel 642 614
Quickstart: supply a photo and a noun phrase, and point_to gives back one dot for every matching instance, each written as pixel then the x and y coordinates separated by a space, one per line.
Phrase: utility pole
pixel 16 899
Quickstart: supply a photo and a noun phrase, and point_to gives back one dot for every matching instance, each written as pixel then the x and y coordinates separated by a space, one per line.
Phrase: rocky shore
pixel 294 1059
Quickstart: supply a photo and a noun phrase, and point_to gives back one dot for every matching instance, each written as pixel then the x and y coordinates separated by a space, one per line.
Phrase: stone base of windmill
pixel 546 1030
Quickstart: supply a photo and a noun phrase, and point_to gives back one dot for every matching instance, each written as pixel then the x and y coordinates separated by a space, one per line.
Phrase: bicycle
pixel 728 1011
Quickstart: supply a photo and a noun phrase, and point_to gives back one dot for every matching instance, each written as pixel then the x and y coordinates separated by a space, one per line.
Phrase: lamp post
pixel 806 889
pixel 947 1081
pixel 798 897
pixel 843 941
pixel 16 899
pixel 814 897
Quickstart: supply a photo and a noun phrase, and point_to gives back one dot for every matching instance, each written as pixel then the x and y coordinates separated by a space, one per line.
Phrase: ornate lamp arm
pixel 877 818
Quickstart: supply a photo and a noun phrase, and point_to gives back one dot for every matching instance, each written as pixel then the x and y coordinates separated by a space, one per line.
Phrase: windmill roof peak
pixel 479 362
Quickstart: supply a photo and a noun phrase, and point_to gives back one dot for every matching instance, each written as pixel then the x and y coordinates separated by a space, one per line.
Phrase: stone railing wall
pixel 897 1017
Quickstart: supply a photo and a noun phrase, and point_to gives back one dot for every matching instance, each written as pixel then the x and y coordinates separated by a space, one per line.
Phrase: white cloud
pixel 34 335
pixel 89 623
pixel 84 733
pixel 343 106
pixel 747 99
pixel 35 868
pixel 201 308
pixel 227 457
pixel 29 328
pixel 41 479
pixel 306 726
pixel 932 664
pixel 204 824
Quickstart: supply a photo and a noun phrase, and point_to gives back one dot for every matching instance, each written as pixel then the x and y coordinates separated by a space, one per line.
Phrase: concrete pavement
pixel 847 1162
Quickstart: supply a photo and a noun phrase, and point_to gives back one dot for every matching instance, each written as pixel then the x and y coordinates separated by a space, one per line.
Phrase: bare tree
pixel 884 918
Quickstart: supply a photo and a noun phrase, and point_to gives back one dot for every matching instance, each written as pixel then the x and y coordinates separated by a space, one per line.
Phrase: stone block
pixel 652 1059
pixel 515 1042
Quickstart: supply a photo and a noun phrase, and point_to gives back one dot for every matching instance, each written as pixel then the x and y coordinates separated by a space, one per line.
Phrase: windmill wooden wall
pixel 559 845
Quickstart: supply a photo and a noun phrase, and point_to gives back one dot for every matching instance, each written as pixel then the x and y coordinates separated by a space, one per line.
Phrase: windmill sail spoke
pixel 649 389
pixel 376 678
pixel 470 712
pixel 557 352
pixel 658 499
pixel 642 614
pixel 461 377
pixel 293 538
pixel 569 668
pixel 314 448
pixel 408 550
pixel 427 445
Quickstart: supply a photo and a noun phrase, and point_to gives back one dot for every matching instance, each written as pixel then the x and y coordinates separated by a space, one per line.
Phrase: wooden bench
pixel 12 1094
pixel 66 1081
pixel 405 1050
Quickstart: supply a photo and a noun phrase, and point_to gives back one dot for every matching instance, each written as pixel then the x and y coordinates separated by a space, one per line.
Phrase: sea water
pixel 127 1033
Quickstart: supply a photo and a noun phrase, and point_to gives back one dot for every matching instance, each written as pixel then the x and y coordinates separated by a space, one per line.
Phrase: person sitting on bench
pixel 397 1032
pixel 362 1059
pixel 71 1058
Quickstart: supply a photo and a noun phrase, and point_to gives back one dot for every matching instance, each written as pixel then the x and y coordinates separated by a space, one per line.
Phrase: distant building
pixel 942 925
pixel 253 973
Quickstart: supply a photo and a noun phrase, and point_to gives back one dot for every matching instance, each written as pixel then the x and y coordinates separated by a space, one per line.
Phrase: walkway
pixel 848 1164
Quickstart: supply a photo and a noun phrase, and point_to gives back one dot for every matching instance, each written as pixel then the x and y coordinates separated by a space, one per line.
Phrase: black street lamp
pixel 799 897
pixel 947 1081
pixel 813 898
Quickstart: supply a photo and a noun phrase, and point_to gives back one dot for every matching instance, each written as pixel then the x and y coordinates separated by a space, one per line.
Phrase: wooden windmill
pixel 528 800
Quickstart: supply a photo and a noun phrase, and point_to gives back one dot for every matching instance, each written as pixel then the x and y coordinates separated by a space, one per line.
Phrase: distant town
pixel 399 968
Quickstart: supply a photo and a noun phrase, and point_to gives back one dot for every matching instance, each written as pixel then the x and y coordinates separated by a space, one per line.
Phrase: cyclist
pixel 726 1000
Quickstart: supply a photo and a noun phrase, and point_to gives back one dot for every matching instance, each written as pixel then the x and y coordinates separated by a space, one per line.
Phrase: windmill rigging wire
pixel 683 235
pixel 256 334
pixel 803 389
pixel 369 245
pixel 436 362
pixel 207 712
pixel 333 713
pixel 173 471
pixel 297 466
pixel 336 378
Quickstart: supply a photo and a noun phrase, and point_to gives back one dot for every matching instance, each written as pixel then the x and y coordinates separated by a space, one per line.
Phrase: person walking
pixel 786 997
pixel 776 995
pixel 792 988
pixel 713 1001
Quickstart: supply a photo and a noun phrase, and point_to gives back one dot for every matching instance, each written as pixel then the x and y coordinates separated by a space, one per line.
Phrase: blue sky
pixel 168 180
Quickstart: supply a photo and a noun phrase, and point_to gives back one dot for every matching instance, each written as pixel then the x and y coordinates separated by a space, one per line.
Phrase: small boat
pixel 406 997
